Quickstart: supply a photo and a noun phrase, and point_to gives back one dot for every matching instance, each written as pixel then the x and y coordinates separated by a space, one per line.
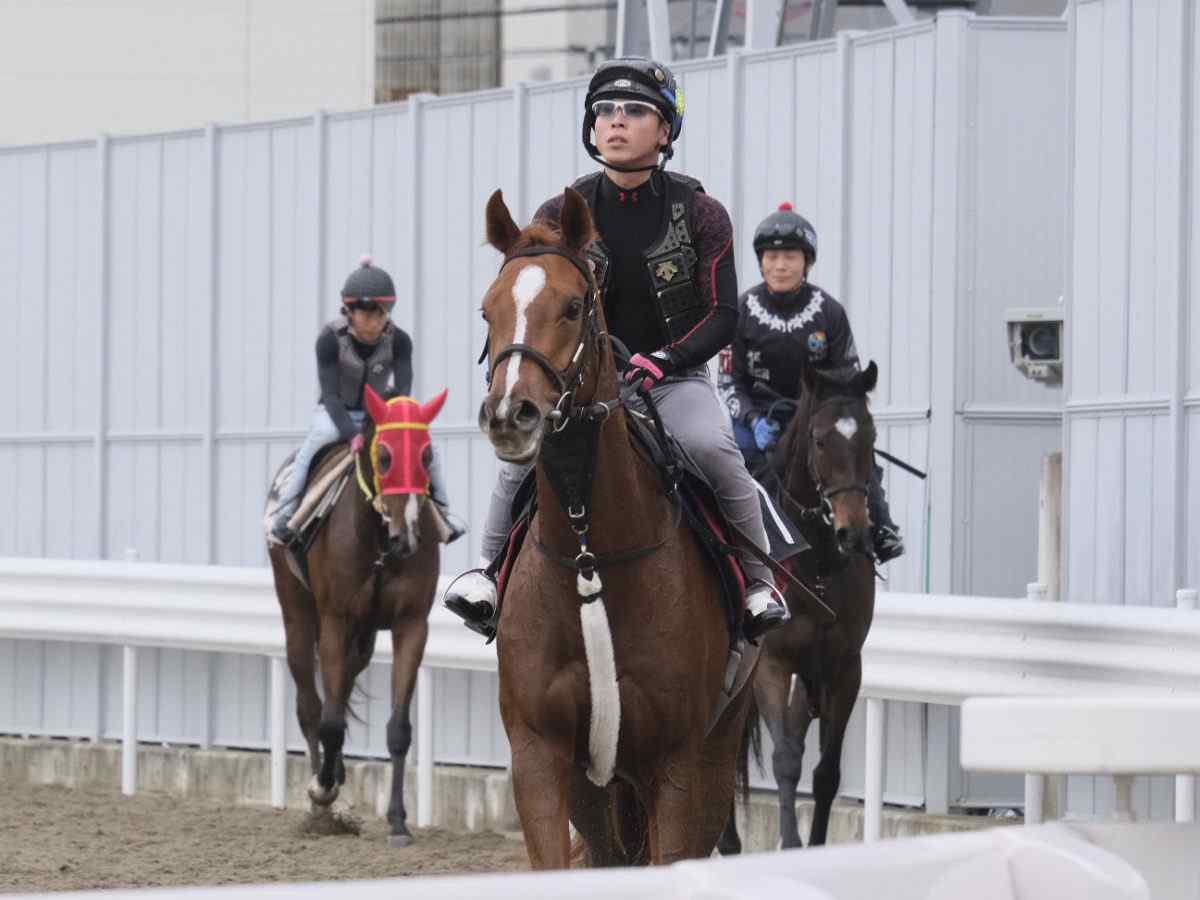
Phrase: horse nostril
pixel 843 536
pixel 526 416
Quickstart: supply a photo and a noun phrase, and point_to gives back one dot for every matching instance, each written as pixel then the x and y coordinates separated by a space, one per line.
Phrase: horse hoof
pixel 399 840
pixel 319 795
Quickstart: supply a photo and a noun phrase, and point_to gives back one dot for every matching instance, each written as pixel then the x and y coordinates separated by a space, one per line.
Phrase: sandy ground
pixel 55 838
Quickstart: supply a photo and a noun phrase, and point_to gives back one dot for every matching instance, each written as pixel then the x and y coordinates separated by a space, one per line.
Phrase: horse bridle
pixel 568 383
pixel 824 510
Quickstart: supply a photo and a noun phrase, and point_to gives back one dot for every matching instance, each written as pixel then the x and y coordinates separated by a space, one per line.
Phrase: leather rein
pixel 573 487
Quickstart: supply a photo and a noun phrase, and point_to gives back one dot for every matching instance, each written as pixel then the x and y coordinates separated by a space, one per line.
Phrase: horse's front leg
pixel 541 780
pixel 337 682
pixel 827 777
pixel 408 647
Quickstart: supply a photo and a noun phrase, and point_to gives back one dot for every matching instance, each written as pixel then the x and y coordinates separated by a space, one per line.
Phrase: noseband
pixel 566 381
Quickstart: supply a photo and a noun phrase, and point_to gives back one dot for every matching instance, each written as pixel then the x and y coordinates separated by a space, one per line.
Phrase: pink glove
pixel 645 368
pixel 357 443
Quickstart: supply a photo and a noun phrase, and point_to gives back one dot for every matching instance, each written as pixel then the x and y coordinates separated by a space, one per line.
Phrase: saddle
pixel 330 472
pixel 696 503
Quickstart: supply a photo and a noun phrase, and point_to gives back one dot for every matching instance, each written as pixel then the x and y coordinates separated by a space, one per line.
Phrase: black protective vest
pixel 670 260
pixel 354 371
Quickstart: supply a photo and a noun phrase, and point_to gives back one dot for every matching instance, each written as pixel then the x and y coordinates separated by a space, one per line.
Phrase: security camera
pixel 1035 342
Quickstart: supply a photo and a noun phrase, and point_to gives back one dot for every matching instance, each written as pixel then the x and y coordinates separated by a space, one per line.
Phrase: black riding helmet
pixel 786 230
pixel 368 286
pixel 634 78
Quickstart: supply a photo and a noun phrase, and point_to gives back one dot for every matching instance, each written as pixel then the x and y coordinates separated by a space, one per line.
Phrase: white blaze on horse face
pixel 847 427
pixel 412 509
pixel 529 283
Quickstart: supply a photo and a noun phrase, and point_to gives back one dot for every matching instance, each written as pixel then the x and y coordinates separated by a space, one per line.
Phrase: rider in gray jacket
pixel 362 347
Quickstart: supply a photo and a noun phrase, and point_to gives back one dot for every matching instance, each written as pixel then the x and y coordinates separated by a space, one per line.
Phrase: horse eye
pixel 385 459
pixel 574 310
pixel 820 442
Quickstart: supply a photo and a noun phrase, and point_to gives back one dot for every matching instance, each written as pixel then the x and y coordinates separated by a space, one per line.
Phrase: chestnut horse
pixel 373 565
pixel 607 685
pixel 823 463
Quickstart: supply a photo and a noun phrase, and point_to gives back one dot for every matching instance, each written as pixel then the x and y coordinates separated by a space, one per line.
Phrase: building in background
pixel 78 68
pixel 449 46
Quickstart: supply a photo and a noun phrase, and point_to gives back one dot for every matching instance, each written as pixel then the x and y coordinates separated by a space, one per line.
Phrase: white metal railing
pixel 925 648
pixel 205 608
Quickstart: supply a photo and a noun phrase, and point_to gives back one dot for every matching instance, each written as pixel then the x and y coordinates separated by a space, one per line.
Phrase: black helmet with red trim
pixel 784 229
pixel 368 286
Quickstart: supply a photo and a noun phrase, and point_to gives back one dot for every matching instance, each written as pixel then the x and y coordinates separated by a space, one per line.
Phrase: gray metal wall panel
pixel 73 289
pixel 1018 211
pixel 349 200
pixel 706 144
pixel 1192 546
pixel 554 156
pixel 909 500
pixel 1003 462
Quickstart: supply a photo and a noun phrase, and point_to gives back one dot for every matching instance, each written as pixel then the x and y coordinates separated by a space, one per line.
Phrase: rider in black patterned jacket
pixel 784 324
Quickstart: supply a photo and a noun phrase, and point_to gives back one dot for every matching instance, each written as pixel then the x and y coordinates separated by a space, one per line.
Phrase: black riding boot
pixel 884 532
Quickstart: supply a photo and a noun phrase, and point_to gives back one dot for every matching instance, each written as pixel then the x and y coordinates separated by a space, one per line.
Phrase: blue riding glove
pixel 766 433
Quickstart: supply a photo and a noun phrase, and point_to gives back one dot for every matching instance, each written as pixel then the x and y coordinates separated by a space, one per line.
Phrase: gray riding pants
pixel 692 412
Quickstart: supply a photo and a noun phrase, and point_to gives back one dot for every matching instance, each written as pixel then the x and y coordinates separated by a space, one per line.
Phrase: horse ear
pixel 869 377
pixel 576 222
pixel 430 410
pixel 502 231
pixel 376 405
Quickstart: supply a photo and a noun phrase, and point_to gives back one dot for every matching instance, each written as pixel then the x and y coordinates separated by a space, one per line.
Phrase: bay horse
pixel 374 565
pixel 607 685
pixel 822 467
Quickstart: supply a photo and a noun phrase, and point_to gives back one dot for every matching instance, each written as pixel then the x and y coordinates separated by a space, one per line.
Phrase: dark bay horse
pixel 373 566
pixel 608 677
pixel 823 463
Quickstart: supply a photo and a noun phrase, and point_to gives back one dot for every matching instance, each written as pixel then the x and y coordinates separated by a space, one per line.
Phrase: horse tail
pixel 751 747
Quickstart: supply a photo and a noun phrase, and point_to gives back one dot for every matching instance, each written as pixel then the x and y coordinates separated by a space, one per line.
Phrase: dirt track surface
pixel 55 838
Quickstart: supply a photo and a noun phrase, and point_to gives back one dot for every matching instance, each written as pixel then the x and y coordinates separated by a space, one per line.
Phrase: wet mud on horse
pixel 822 467
pixel 607 682
pixel 373 566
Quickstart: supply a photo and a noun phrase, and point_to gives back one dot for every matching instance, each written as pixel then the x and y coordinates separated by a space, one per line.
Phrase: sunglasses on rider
pixel 630 109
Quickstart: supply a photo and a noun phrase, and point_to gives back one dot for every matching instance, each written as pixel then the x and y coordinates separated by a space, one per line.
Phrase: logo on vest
pixel 666 270
pixel 377 368
pixel 817 344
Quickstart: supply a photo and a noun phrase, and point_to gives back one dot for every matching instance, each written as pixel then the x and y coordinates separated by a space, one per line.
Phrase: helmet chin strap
pixel 666 153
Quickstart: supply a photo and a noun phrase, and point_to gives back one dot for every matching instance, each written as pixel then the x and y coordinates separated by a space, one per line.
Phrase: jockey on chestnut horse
pixel 621 694
pixel 663 261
